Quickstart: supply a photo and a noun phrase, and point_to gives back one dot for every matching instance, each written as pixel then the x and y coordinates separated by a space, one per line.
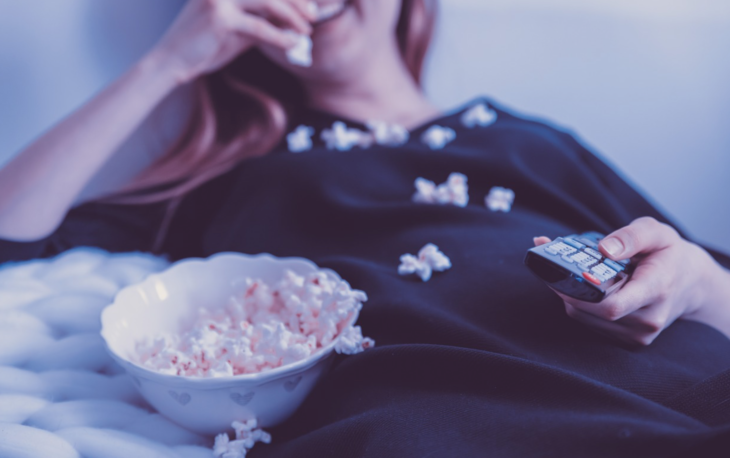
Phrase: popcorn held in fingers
pixel 478 115
pixel 260 329
pixel 436 137
pixel 300 139
pixel 247 435
pixel 453 192
pixel 429 259
pixel 500 199
pixel 351 341
pixel 386 134
pixel 342 138
pixel 301 53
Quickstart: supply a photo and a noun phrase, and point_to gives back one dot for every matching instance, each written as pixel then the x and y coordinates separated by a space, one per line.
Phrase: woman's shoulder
pixel 485 118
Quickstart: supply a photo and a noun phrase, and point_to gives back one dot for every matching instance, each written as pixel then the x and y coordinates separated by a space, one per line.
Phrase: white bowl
pixel 168 302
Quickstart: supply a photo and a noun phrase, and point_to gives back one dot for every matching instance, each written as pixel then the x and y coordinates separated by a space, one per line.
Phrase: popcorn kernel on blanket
pixel 455 191
pixel 500 199
pixel 300 139
pixel 436 137
pixel 246 437
pixel 429 259
pixel 261 329
pixel 386 134
pixel 343 138
pixel 478 115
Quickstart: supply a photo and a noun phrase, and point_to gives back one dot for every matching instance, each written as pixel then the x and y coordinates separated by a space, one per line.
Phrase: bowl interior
pixel 168 302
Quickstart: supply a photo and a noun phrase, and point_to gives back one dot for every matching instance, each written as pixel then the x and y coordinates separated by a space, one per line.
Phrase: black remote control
pixel 574 266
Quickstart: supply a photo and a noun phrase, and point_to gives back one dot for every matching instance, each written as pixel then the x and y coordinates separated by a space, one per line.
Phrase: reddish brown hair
pixel 242 111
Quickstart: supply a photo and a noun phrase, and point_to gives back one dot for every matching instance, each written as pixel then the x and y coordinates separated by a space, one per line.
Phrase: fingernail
pixel 613 246
pixel 313 8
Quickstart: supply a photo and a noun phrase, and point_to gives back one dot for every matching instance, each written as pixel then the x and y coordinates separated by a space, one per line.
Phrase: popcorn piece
pixel 500 199
pixel 342 138
pixel 388 134
pixel 436 137
pixel 301 53
pixel 246 437
pixel 260 329
pixel 453 192
pixel 478 115
pixel 300 140
pixel 351 341
pixel 429 259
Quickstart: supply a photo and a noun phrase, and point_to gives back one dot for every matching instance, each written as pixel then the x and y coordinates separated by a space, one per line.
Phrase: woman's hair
pixel 243 111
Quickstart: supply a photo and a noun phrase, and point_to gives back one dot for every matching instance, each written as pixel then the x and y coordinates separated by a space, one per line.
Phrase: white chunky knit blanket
pixel 61 395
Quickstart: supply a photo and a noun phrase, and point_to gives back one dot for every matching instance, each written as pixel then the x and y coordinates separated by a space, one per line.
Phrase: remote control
pixel 574 266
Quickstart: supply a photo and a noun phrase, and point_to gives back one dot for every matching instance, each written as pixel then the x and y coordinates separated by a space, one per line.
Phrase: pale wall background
pixel 644 82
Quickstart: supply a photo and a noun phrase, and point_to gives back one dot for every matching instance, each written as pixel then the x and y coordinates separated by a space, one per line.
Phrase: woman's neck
pixel 384 92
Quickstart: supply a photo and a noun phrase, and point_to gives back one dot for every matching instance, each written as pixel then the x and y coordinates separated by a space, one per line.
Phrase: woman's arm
pixel 38 187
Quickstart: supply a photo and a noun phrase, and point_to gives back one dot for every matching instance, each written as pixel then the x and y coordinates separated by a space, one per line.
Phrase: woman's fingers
pixel 307 8
pixel 287 16
pixel 635 329
pixel 542 240
pixel 255 27
pixel 642 236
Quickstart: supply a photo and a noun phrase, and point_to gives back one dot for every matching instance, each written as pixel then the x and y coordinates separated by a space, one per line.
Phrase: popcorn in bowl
pixel 298 317
pixel 261 328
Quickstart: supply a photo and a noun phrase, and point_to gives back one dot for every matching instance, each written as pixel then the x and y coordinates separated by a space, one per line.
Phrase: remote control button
pixel 567 259
pixel 560 248
pixel 581 257
pixel 614 265
pixel 603 272
pixel 573 243
pixel 551 250
pixel 585 267
pixel 593 253
pixel 591 278
pixel 588 242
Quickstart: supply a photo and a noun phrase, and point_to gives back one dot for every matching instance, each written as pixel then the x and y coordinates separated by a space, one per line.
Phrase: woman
pixel 482 360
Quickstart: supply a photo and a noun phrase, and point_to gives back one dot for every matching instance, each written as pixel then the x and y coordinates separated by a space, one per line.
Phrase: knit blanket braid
pixel 61 394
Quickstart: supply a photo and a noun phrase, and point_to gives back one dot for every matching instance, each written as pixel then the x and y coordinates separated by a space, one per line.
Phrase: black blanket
pixel 479 361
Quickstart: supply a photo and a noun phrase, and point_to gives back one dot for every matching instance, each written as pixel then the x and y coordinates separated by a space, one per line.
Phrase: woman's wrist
pixel 715 309
pixel 162 71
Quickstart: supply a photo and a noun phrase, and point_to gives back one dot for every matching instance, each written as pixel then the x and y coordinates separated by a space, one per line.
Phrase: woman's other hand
pixel 208 34
pixel 673 279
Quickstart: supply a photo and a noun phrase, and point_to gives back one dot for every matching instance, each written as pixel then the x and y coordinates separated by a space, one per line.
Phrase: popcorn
pixel 388 134
pixel 342 138
pixel 454 191
pixel 246 437
pixel 500 199
pixel 301 53
pixel 262 328
pixel 429 259
pixel 478 115
pixel 436 137
pixel 300 140
pixel 351 341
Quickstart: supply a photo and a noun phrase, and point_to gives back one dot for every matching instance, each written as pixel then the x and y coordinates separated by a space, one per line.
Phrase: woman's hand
pixel 673 279
pixel 208 34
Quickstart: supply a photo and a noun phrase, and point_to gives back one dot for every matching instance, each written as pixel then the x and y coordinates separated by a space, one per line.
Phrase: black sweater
pixel 482 359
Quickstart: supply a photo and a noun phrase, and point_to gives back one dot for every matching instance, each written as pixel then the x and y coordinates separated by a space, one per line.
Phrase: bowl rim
pixel 218 382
